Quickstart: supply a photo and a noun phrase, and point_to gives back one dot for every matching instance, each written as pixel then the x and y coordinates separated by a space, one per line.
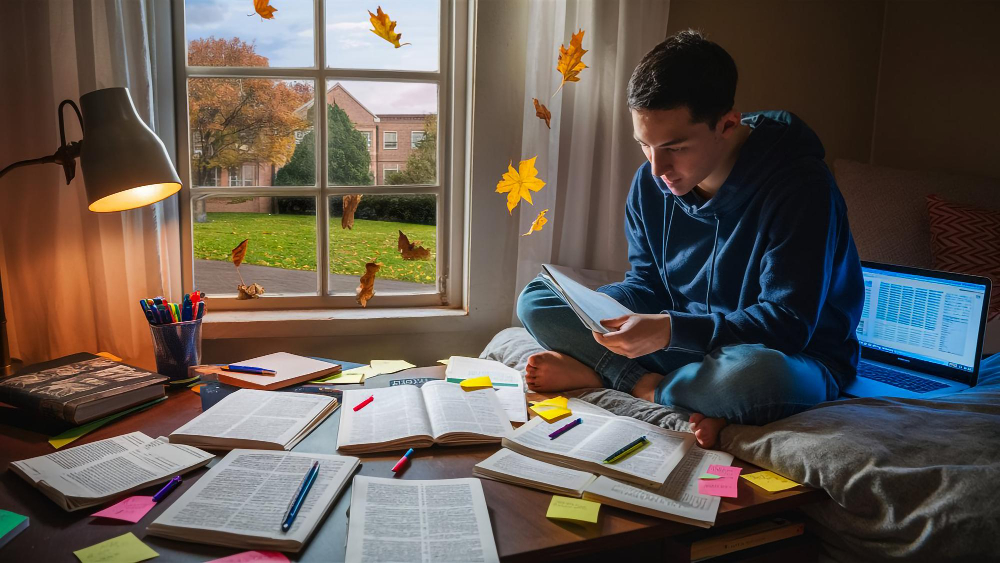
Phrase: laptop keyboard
pixel 897 379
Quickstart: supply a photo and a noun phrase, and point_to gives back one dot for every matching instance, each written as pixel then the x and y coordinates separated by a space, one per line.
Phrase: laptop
pixel 921 332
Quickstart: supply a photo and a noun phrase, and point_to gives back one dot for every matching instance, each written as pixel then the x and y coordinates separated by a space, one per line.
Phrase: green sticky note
pixel 9 520
pixel 123 549
pixel 708 476
pixel 74 433
pixel 573 509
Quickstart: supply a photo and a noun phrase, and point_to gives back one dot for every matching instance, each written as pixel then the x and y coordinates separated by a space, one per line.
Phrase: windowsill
pixel 298 323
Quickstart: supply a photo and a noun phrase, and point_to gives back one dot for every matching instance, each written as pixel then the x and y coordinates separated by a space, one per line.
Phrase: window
pixel 415 138
pixel 389 140
pixel 289 109
pixel 386 170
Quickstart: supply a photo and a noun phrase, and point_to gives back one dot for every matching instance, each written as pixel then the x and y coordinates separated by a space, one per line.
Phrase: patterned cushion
pixel 966 240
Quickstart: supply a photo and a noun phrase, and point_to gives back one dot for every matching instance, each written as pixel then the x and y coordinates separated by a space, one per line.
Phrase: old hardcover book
pixel 80 388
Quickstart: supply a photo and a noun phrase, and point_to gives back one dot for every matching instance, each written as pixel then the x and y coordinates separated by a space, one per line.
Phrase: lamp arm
pixel 65 155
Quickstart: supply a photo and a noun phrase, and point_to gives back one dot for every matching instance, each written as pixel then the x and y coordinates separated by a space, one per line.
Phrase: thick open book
pixel 241 502
pixel 601 434
pixel 507 382
pixel 94 473
pixel 511 467
pixel 590 306
pixel 443 520
pixel 263 420
pixel 407 416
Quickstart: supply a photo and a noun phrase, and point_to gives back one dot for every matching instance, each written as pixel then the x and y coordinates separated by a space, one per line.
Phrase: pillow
pixel 966 240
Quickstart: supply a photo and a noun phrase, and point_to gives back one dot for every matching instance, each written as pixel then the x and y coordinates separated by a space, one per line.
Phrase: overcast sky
pixel 287 41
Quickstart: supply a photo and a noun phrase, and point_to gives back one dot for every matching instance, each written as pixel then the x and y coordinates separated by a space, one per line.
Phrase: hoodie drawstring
pixel 711 271
pixel 666 239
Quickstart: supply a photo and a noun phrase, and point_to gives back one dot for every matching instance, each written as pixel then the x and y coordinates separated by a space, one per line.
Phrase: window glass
pixel 228 33
pixel 351 44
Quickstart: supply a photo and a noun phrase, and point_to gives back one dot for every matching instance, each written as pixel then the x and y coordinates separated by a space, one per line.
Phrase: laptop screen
pixel 924 320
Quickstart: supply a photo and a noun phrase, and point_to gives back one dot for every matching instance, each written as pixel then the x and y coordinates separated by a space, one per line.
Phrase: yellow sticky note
pixel 770 482
pixel 353 375
pixel 474 383
pixel 553 414
pixel 560 402
pixel 445 362
pixel 390 366
pixel 123 549
pixel 109 356
pixel 573 509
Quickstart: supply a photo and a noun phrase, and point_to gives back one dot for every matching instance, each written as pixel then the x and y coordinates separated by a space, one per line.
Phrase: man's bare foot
pixel 548 372
pixel 645 388
pixel 706 430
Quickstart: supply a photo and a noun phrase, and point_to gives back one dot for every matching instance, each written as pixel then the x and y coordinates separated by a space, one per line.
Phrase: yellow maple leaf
pixel 518 184
pixel 385 28
pixel 538 223
pixel 570 61
pixel 543 113
pixel 264 8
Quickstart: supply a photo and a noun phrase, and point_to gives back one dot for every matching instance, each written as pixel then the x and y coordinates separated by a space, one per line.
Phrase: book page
pixel 590 306
pixel 453 409
pixel 654 461
pixel 513 464
pixel 247 495
pixel 678 496
pixel 507 382
pixel 394 413
pixel 535 434
pixel 107 467
pixel 443 520
pixel 250 414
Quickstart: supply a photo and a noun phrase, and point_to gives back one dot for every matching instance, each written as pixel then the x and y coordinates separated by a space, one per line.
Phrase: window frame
pixel 413 144
pixel 453 78
pixel 368 139
pixel 385 169
pixel 385 141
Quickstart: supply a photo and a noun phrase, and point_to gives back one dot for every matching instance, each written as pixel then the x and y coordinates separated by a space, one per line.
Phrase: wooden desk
pixel 518 514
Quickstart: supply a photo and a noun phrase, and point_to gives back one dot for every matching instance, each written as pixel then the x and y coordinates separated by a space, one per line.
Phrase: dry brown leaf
pixel 538 223
pixel 264 9
pixel 239 252
pixel 366 290
pixel 410 250
pixel 350 206
pixel 253 291
pixel 543 113
pixel 385 28
pixel 570 61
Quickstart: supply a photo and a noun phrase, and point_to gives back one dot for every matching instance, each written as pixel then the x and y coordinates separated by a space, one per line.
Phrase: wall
pixel 818 60
pixel 939 88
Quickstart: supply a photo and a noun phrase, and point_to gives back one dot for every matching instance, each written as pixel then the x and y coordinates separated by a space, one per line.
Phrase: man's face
pixel 680 152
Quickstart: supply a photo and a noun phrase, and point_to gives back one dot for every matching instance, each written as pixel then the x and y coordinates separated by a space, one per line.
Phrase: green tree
pixel 421 166
pixel 350 162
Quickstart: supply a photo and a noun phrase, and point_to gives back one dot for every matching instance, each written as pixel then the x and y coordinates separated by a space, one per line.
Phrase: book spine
pixel 712 547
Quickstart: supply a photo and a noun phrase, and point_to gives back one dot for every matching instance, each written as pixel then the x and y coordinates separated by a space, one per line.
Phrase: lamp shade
pixel 124 163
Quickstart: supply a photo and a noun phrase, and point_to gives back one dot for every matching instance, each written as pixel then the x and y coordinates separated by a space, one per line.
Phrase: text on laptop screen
pixel 921 317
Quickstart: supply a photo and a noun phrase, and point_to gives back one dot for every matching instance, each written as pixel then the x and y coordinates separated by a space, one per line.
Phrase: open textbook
pixel 599 435
pixel 94 473
pixel 416 417
pixel 592 307
pixel 511 467
pixel 507 382
pixel 241 502
pixel 422 521
pixel 264 420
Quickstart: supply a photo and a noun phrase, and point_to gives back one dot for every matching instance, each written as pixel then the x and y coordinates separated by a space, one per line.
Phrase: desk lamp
pixel 125 165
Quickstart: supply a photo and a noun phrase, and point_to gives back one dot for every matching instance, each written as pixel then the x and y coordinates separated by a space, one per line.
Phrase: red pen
pixel 402 461
pixel 362 404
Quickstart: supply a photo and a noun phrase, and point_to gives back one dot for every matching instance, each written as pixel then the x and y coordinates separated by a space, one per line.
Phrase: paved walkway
pixel 214 277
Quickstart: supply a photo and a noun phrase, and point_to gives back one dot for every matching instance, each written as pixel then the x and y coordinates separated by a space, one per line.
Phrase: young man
pixel 745 280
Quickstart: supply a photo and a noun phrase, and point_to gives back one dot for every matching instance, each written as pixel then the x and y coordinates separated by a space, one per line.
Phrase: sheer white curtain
pixel 589 156
pixel 72 279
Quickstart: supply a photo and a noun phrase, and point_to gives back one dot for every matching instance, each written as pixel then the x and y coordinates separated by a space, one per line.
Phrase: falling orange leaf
pixel 366 290
pixel 543 112
pixel 518 184
pixel 385 28
pixel 538 223
pixel 570 61
pixel 350 206
pixel 264 8
pixel 239 252
pixel 410 250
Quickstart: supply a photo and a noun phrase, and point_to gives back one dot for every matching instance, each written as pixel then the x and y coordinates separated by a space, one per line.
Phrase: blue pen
pixel 296 504
pixel 186 311
pixel 249 369
pixel 171 485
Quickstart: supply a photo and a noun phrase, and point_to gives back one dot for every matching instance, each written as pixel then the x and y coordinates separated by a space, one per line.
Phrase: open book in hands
pixel 590 306
pixel 415 417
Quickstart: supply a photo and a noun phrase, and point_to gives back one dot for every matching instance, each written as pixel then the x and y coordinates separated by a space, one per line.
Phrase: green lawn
pixel 289 241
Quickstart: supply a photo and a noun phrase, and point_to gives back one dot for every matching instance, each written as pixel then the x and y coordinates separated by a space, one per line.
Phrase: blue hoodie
pixel 769 260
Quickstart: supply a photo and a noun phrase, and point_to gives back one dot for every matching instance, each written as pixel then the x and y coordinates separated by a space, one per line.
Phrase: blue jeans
pixel 744 384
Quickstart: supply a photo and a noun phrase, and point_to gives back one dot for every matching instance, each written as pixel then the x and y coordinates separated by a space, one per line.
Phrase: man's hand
pixel 635 335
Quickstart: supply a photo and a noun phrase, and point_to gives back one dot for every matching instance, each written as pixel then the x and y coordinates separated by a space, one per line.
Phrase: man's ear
pixel 729 123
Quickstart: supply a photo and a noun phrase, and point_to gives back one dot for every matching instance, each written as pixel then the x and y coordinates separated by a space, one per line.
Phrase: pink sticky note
pixel 131 509
pixel 724 470
pixel 253 557
pixel 724 487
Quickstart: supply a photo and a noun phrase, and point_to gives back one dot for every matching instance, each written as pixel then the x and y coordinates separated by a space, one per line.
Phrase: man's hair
pixel 688 70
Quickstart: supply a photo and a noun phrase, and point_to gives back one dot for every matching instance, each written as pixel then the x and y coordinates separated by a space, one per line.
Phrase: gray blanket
pixel 907 479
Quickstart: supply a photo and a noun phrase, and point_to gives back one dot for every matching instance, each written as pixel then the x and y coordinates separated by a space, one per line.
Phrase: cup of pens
pixel 176 330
